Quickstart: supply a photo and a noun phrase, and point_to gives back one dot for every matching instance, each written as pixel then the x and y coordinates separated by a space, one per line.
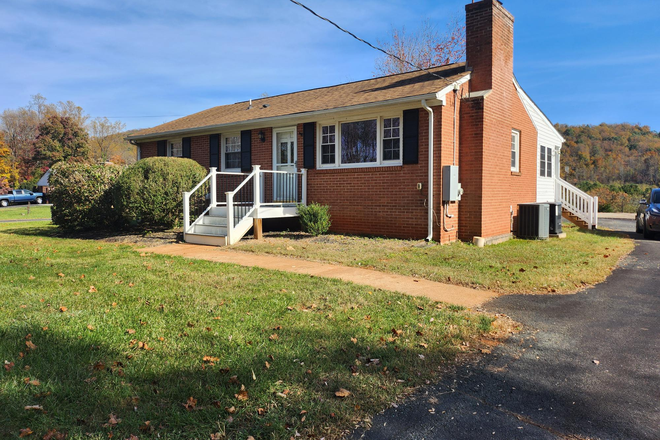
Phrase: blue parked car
pixel 648 214
pixel 21 196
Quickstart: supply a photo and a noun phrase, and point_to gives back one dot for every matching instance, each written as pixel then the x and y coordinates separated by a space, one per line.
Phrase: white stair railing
pixel 242 203
pixel 578 203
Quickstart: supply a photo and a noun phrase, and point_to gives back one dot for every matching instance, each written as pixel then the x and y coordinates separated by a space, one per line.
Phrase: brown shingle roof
pixel 368 91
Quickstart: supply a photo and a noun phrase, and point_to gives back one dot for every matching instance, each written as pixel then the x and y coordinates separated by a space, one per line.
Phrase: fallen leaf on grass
pixel 342 393
pixel 273 337
pixel 354 340
pixel 63 309
pixel 423 345
pixel 25 432
pixel 146 427
pixel 90 327
pixel 92 289
pixel 210 359
pixel 61 275
pixel 99 366
pixel 396 332
pixel 242 394
pixel 261 411
pixel 54 434
pixel 34 407
pixel 190 404
pixel 130 331
pixel 10 365
pixel 230 410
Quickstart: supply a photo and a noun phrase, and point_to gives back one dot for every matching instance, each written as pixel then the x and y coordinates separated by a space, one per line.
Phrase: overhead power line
pixel 366 42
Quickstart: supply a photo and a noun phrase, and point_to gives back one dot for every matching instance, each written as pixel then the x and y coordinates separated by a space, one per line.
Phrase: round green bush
pixel 314 218
pixel 81 194
pixel 149 193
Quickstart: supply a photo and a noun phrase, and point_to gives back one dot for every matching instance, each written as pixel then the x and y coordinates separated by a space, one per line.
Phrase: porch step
pixel 215 230
pixel 218 211
pixel 214 220
pixel 577 221
pixel 210 240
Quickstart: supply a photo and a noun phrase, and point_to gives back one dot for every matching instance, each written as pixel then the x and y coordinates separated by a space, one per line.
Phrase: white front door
pixel 284 159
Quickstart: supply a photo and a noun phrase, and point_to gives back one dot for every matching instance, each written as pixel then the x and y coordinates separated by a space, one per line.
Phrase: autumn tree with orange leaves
pixel 424 48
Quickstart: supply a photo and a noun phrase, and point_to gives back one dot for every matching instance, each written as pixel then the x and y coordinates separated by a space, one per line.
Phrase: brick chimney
pixel 489 44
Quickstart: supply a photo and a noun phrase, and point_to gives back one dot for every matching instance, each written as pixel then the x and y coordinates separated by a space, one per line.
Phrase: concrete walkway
pixel 380 280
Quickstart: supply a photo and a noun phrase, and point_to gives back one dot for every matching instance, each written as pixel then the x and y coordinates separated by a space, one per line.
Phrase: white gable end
pixel 548 137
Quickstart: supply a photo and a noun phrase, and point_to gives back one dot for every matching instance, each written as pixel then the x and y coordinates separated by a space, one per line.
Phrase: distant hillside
pixel 610 153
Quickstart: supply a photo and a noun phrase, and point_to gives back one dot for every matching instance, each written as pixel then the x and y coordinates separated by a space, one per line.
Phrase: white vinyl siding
pixel 551 139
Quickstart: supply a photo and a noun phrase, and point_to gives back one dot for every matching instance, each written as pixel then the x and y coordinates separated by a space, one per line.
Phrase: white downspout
pixel 430 190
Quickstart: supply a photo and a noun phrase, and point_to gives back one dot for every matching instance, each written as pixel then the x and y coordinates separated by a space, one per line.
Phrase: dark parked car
pixel 21 196
pixel 648 214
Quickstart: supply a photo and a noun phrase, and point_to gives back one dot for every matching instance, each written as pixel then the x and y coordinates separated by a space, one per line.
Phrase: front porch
pixel 224 206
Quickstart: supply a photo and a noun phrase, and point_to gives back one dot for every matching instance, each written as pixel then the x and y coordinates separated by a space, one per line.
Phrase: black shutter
pixel 214 150
pixel 411 136
pixel 308 145
pixel 162 148
pixel 246 151
pixel 185 144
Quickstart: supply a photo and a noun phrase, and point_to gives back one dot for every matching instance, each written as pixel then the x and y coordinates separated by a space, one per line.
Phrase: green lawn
pixel 515 266
pixel 100 339
pixel 20 212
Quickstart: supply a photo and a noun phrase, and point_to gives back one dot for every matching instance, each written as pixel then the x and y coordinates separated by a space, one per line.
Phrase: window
pixel 175 148
pixel 231 147
pixel 391 139
pixel 359 143
pixel 328 144
pixel 368 142
pixel 515 151
pixel 545 168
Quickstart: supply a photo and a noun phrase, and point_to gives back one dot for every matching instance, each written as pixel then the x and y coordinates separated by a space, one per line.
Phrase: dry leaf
pixel 99 366
pixel 190 404
pixel 92 289
pixel 261 411
pixel 63 309
pixel 114 420
pixel 54 434
pixel 34 407
pixel 267 365
pixel 130 331
pixel 10 365
pixel 25 432
pixel 146 427
pixel 354 340
pixel 273 337
pixel 61 275
pixel 396 332
pixel 423 345
pixel 230 410
pixel 342 393
pixel 34 382
pixel 210 359
pixel 90 327
pixel 233 379
pixel 242 394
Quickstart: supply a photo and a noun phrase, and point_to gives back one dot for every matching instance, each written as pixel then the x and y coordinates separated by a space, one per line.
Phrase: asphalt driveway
pixel 588 366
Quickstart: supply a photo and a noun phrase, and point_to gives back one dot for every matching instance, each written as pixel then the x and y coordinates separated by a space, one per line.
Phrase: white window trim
pixel 293 130
pixel 169 146
pixel 379 142
pixel 516 168
pixel 223 160
pixel 548 151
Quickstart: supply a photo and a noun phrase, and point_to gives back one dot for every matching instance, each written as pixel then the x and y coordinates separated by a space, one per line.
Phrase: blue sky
pixel 583 62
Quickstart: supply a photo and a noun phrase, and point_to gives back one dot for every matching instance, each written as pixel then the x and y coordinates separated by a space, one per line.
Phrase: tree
pixel 60 138
pixel 105 137
pixel 8 171
pixel 425 48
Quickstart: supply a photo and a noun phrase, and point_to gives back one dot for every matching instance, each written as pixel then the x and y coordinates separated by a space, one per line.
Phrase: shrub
pixel 81 194
pixel 314 218
pixel 149 193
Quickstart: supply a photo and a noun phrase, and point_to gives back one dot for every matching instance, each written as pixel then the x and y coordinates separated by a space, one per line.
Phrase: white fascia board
pixel 442 94
pixel 521 91
pixel 298 117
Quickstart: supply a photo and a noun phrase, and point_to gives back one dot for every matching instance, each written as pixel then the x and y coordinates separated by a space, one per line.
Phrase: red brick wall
pixel 491 188
pixel 148 149
pixel 200 150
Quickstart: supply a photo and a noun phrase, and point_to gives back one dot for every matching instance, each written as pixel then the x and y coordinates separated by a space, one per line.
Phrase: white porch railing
pixel 242 195
pixel 578 203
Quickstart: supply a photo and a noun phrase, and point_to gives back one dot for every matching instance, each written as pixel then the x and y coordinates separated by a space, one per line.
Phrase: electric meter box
pixel 450 186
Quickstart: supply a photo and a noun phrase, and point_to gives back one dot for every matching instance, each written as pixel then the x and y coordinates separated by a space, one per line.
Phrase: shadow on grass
pixel 81 381
pixel 156 236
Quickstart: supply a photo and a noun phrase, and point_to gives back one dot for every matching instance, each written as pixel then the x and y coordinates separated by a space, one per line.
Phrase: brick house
pixel 387 154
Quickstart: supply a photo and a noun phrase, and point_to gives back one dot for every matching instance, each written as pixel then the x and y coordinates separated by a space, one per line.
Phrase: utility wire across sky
pixel 364 41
